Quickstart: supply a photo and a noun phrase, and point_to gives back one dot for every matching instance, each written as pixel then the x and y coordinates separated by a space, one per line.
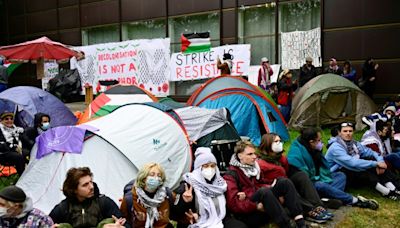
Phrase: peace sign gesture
pixel 188 194
pixel 192 217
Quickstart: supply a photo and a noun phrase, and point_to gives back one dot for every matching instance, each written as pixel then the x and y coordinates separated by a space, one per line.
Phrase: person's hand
pixel 260 207
pixel 119 221
pixel 380 171
pixel 188 194
pixel 376 66
pixel 241 196
pixel 294 82
pixel 382 165
pixel 192 217
pixel 372 79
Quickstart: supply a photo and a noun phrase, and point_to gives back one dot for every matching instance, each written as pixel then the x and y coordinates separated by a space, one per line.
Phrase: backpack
pixel 129 198
pixel 235 176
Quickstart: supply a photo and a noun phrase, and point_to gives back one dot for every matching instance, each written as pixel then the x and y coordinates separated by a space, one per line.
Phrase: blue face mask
pixel 152 183
pixel 319 146
pixel 45 126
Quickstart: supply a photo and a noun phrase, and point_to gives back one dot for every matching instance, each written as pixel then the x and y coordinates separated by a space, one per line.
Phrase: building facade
pixel 350 29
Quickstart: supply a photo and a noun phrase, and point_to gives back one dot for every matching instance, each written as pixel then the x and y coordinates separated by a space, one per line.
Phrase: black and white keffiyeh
pixel 207 194
pixel 249 170
pixel 151 204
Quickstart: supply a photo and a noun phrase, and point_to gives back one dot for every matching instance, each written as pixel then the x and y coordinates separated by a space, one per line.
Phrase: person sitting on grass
pixel 305 153
pixel 362 166
pixel 251 200
pixel 274 164
pixel 16 210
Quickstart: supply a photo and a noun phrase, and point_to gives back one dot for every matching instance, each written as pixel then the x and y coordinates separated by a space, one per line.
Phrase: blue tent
pixel 252 114
pixel 26 101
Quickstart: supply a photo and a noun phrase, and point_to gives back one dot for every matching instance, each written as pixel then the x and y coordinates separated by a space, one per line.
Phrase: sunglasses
pixel 346 125
pixel 8 118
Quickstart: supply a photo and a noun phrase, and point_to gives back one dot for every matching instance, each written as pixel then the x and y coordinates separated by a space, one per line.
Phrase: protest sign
pixel 50 71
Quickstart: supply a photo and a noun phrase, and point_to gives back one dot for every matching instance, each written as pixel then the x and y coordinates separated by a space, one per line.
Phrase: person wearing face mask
pixel 362 166
pixel 16 210
pixel 10 143
pixel 201 195
pixel 41 123
pixel 305 153
pixel 274 164
pixel 149 204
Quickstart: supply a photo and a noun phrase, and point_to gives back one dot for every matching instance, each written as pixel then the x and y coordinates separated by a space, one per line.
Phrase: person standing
pixel 333 68
pixel 368 80
pixel 226 65
pixel 349 72
pixel 264 74
pixel 307 72
pixel 286 88
pixel 3 76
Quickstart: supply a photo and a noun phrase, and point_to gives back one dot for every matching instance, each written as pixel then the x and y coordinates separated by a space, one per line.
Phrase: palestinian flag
pixel 11 66
pixel 196 42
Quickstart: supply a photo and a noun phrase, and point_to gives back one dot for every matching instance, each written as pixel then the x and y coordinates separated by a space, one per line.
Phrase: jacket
pixel 137 216
pixel 30 133
pixel 338 157
pixel 272 171
pixel 299 157
pixel 88 213
pixel 286 89
pixel 247 185
pixel 306 74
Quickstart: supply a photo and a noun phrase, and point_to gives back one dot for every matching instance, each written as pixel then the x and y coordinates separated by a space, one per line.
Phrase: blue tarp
pixel 28 101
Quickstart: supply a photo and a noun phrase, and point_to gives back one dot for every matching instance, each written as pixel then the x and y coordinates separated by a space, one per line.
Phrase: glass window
pixel 298 16
pixel 257 27
pixel 196 23
pixel 100 35
pixel 150 29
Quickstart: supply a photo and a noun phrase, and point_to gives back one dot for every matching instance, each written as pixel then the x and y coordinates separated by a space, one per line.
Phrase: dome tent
pixel 327 100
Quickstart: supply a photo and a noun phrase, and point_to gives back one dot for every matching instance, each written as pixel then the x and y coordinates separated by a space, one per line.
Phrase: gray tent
pixel 329 99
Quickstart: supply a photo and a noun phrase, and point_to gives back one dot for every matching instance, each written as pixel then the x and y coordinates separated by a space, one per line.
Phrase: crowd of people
pixel 283 90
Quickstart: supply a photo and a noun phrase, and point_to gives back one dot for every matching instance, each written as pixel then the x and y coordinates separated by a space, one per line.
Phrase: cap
pixel 309 59
pixel 264 59
pixel 13 193
pixel 6 113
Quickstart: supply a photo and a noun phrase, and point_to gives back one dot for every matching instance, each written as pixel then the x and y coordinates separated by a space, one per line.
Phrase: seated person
pixel 305 153
pixel 362 166
pixel 202 196
pixel 148 204
pixel 16 210
pixel 274 164
pixel 41 123
pixel 251 200
pixel 84 206
pixel 10 143
pixel 379 141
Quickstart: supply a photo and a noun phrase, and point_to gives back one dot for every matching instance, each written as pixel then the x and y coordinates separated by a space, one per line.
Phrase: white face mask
pixel 3 211
pixel 277 147
pixel 208 173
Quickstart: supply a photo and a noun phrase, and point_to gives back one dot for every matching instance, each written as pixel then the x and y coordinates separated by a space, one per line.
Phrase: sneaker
pixel 366 203
pixel 322 210
pixel 314 216
pixel 393 195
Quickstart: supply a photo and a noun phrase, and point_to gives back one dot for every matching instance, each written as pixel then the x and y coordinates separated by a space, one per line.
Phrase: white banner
pixel 139 62
pixel 50 71
pixel 203 65
pixel 297 46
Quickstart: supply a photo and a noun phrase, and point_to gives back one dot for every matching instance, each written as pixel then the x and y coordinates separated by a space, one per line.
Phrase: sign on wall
pixel 50 71
pixel 134 62
pixel 297 46
pixel 203 65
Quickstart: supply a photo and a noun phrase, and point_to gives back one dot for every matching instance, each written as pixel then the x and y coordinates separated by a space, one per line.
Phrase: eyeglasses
pixel 8 118
pixel 348 124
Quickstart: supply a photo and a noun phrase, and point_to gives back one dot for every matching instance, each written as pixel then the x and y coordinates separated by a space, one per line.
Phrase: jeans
pixel 393 159
pixel 335 189
pixel 285 111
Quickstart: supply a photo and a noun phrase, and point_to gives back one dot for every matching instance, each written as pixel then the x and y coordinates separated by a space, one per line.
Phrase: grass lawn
pixel 388 214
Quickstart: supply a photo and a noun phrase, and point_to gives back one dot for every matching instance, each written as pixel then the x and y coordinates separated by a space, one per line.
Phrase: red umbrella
pixel 42 48
pixel 39 50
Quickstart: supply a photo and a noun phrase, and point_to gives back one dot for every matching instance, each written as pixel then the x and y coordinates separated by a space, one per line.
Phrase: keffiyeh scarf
pixel 206 193
pixel 249 170
pixel 151 204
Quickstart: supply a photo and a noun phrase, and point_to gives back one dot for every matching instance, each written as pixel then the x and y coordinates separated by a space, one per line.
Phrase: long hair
pixel 72 180
pixel 145 171
pixel 266 142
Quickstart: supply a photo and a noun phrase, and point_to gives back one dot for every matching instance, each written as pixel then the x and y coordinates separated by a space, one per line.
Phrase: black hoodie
pixel 30 133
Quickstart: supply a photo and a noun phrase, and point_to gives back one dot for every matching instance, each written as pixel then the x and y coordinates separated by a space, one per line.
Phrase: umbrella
pixel 39 50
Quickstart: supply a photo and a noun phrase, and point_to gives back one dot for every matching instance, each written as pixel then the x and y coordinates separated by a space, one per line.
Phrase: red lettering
pixel 132 67
pixel 128 80
pixel 207 69
pixel 178 72
pixel 187 72
pixel 238 67
pixel 195 72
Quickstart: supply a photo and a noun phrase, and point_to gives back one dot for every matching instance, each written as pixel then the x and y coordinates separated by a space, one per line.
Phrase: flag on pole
pixel 11 66
pixel 196 42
